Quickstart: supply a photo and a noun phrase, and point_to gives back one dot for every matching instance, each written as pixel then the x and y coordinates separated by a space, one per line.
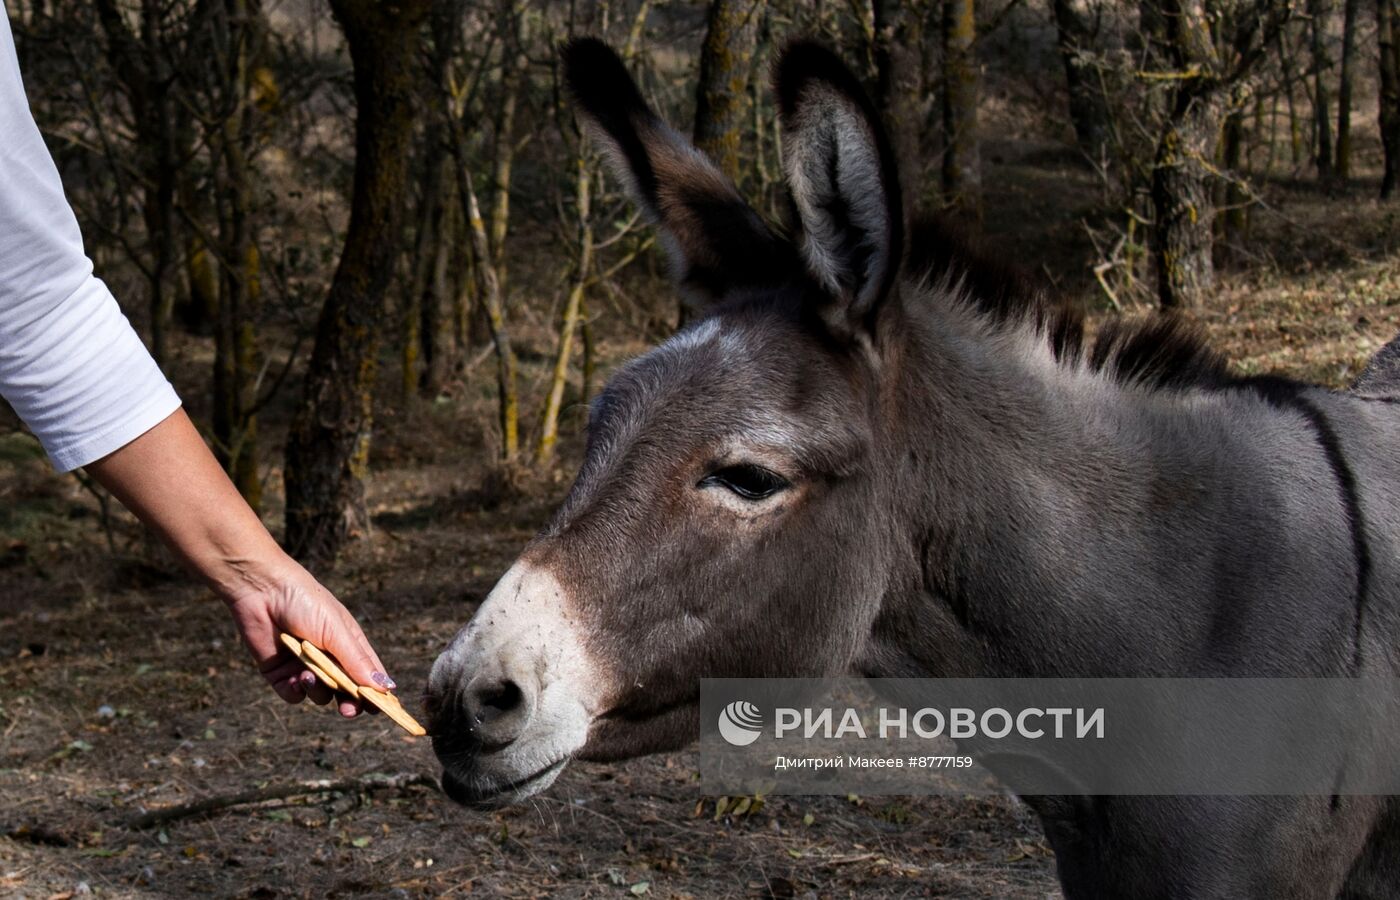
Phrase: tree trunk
pixel 590 356
pixel 1290 78
pixel 489 291
pixel 1344 89
pixel 437 323
pixel 898 37
pixel 731 31
pixel 203 279
pixel 1088 107
pixel 423 264
pixel 1181 199
pixel 766 185
pixel 411 305
pixel 143 68
pixel 513 62
pixel 1232 161
pixel 1388 22
pixel 437 331
pixel 962 168
pixel 1322 115
pixel 1181 192
pixel 237 359
pixel 549 419
pixel 328 446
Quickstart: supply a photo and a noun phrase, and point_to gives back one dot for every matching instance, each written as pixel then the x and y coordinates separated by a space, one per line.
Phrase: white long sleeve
pixel 70 363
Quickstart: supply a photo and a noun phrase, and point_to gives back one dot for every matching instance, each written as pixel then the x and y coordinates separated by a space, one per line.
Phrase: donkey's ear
pixel 715 240
pixel 842 175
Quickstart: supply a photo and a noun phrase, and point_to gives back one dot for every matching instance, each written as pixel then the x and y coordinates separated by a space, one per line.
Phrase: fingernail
pixel 383 681
pixel 308 679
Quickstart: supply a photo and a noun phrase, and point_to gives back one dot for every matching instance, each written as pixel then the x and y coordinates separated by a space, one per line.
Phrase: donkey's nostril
pixel 497 708
pixel 495 700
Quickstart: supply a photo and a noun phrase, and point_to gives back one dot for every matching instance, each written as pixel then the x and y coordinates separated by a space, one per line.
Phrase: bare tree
pixel 1088 106
pixel 899 35
pixel 1202 77
pixel 573 306
pixel 328 447
pixel 1388 39
pixel 1289 73
pixel 1344 88
pixel 428 334
pixel 513 63
pixel 962 166
pixel 234 46
pixel 1318 11
pixel 721 96
pixel 488 287
pixel 486 240
pixel 146 61
pixel 574 318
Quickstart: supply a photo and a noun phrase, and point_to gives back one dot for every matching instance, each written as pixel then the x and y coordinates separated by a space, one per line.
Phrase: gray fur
pixel 965 500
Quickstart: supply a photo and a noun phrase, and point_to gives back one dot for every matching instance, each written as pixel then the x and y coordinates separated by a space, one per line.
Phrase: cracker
pixel 326 669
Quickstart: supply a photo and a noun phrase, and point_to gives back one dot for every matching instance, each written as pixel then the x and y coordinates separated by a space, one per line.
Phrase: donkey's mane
pixel 1162 352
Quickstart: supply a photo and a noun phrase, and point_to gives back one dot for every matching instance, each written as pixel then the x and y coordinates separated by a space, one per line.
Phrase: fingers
pixel 340 635
pixel 285 676
pixel 289 689
pixel 321 694
pixel 296 603
pixel 316 692
pixel 293 683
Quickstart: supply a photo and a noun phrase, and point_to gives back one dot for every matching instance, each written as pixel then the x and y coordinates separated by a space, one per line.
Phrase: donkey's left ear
pixel 841 171
pixel 718 245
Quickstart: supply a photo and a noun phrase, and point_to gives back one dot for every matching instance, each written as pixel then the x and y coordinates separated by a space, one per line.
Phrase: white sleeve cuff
pixel 148 415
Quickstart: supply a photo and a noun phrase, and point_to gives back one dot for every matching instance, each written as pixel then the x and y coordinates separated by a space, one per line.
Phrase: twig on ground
pixel 373 781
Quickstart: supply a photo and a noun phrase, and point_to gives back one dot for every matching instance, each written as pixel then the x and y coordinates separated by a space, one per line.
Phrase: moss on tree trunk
pixel 721 98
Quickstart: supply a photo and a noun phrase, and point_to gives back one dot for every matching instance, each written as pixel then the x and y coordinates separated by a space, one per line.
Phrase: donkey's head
pixel 727 518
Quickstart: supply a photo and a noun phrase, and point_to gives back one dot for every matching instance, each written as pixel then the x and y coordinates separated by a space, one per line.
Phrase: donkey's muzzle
pixel 510 700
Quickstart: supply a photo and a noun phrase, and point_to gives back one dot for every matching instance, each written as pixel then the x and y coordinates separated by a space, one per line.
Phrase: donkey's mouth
pixel 483 793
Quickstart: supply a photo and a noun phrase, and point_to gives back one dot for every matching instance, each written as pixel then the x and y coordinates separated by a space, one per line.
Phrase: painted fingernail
pixel 308 679
pixel 383 681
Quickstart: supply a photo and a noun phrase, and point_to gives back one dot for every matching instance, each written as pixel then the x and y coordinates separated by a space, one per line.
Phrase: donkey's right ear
pixel 841 171
pixel 715 240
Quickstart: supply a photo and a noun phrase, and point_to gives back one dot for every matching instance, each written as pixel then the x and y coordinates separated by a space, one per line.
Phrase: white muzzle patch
pixel 518 682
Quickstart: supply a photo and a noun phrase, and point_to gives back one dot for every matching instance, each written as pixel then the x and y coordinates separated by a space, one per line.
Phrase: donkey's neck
pixel 1053 522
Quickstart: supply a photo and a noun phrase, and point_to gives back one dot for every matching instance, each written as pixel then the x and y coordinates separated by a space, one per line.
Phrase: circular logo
pixel 740 723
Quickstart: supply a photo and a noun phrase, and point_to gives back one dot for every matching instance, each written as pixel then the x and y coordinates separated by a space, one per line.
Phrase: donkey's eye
pixel 748 481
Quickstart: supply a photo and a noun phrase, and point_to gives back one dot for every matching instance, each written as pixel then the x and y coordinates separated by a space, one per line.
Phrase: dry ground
pixel 122 689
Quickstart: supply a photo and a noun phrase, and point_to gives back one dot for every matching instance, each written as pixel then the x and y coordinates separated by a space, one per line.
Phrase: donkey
pixel 876 455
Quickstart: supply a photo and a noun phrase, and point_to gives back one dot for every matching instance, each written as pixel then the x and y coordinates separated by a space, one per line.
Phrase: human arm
pixel 171 481
pixel 78 375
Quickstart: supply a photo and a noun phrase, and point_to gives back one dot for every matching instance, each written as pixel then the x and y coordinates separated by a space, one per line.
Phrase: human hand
pixel 287 598
pixel 168 477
